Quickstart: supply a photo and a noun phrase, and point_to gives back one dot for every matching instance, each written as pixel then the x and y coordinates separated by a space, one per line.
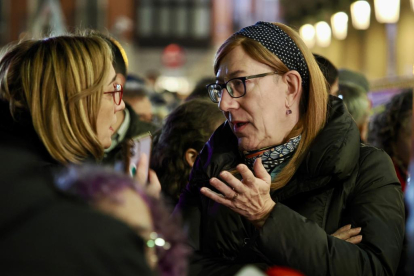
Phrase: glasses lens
pixel 214 91
pixel 236 88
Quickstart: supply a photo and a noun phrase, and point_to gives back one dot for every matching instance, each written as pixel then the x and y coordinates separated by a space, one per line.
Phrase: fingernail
pixel 224 174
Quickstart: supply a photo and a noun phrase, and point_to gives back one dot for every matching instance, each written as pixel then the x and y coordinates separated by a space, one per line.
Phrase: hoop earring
pixel 288 112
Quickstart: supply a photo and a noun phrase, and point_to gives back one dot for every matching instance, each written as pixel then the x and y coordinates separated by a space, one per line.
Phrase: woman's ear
pixel 190 156
pixel 293 81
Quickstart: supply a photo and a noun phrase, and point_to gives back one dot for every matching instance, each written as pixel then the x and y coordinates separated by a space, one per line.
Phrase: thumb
pixel 142 170
pixel 260 171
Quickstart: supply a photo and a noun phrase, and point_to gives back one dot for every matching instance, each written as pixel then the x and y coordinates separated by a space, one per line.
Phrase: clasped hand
pixel 249 197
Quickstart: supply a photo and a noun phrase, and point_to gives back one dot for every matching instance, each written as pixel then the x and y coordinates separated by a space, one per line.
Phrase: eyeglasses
pixel 117 94
pixel 235 87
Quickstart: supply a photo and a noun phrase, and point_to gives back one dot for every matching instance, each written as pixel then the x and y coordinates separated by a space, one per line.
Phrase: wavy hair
pixel 385 127
pixel 313 102
pixel 190 125
pixel 59 81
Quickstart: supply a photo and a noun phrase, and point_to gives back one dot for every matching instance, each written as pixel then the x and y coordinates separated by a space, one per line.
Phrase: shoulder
pixel 65 234
pixel 375 168
pixel 44 228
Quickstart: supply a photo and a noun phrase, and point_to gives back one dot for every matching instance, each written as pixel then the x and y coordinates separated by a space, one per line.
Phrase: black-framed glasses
pixel 236 87
pixel 117 94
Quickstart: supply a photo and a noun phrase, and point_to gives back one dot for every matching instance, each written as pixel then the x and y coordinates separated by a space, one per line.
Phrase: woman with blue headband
pixel 287 169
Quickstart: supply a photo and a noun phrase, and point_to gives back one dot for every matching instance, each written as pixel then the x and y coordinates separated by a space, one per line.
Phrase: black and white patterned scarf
pixel 274 155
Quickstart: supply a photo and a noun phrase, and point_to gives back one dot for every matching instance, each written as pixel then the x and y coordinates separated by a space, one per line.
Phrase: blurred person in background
pixel 136 96
pixel 358 105
pixel 59 97
pixel 349 76
pixel 199 90
pixel 287 169
pixel 330 72
pixel 391 131
pixel 177 145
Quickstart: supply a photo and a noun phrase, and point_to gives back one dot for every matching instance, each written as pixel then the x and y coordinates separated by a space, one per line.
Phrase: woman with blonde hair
pixel 287 169
pixel 58 102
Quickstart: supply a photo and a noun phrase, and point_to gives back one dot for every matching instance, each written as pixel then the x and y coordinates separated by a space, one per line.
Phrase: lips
pixel 239 125
pixel 111 129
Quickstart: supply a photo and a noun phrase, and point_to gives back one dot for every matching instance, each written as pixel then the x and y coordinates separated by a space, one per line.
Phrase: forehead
pixel 234 60
pixel 238 63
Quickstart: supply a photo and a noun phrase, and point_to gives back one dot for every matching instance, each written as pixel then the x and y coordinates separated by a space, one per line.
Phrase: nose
pixel 120 107
pixel 226 102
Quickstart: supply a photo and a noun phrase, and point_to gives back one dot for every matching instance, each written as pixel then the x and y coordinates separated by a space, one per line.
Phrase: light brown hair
pixel 313 102
pixel 59 81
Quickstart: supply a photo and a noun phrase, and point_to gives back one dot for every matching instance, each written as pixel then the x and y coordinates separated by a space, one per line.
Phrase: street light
pixel 307 33
pixel 360 14
pixel 323 34
pixel 387 11
pixel 339 23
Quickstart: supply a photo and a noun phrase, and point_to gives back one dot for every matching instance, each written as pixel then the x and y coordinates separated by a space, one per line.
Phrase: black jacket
pixel 45 232
pixel 339 182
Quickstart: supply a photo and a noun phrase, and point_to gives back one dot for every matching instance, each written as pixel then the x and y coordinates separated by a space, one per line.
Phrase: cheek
pixel 105 117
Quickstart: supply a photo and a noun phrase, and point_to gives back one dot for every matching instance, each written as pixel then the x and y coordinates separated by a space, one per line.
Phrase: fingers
pixel 342 229
pixel 355 240
pixel 224 189
pixel 142 170
pixel 349 234
pixel 219 198
pixel 154 185
pixel 260 171
pixel 248 177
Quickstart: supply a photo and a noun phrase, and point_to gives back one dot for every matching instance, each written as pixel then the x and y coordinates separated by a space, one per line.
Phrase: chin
pixel 246 145
pixel 106 143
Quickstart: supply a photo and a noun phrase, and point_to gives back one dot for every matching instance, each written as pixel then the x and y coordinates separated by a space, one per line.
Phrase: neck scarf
pixel 274 155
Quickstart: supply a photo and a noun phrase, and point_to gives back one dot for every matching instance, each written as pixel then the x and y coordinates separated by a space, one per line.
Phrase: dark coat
pixel 339 182
pixel 45 232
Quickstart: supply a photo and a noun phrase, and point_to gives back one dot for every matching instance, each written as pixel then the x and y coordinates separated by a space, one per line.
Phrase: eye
pixel 238 83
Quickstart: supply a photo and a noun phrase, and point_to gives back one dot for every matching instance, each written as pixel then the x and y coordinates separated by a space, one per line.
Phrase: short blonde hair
pixel 60 81
pixel 313 103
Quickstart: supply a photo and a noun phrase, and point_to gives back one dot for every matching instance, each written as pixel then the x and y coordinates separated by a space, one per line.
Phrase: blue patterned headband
pixel 279 43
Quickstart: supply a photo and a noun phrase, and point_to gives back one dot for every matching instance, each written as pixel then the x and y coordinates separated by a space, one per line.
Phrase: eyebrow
pixel 113 79
pixel 232 74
